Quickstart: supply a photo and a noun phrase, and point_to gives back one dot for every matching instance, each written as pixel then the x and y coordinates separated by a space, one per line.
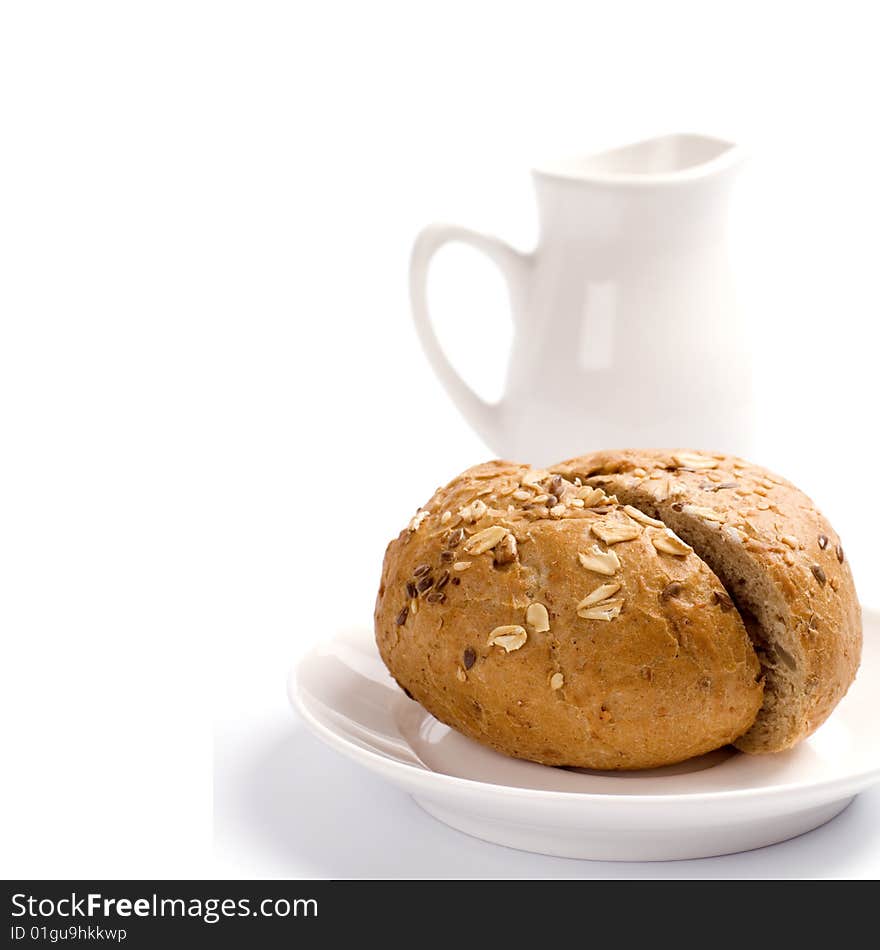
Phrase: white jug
pixel 626 329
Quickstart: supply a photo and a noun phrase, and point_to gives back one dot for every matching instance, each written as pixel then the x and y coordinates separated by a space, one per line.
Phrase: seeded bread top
pixel 492 508
pixel 541 616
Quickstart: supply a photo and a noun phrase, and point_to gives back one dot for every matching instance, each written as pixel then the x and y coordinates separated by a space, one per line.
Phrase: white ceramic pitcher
pixel 626 330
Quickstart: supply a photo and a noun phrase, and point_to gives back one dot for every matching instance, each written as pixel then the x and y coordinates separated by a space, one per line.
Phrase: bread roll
pixel 781 562
pixel 539 616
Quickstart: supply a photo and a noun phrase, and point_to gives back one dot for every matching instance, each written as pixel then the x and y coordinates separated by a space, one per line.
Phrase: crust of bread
pixel 670 674
pixel 780 560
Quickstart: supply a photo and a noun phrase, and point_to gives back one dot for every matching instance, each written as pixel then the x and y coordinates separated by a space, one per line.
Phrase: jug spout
pixel 668 159
pixel 664 191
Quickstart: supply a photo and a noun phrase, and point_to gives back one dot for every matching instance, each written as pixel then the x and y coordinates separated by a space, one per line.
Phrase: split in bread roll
pixel 778 557
pixel 573 617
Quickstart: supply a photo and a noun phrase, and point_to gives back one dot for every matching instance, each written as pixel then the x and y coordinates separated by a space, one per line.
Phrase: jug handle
pixel 483 416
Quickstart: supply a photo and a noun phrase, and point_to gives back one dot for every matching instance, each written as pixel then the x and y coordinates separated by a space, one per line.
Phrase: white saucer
pixel 717 804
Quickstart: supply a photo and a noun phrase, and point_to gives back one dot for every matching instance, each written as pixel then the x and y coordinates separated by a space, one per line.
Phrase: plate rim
pixel 849 784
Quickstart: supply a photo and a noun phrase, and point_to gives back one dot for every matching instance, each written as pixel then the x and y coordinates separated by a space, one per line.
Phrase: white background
pixel 214 412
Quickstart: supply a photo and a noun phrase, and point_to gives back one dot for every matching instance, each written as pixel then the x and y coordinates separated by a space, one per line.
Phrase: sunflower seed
pixel 505 550
pixel 474 511
pixel 607 610
pixel 668 543
pixel 485 540
pixel 417 520
pixel 613 532
pixel 641 517
pixel 510 637
pixel 599 561
pixel 591 496
pixel 602 592
pixel 538 618
pixel 690 460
